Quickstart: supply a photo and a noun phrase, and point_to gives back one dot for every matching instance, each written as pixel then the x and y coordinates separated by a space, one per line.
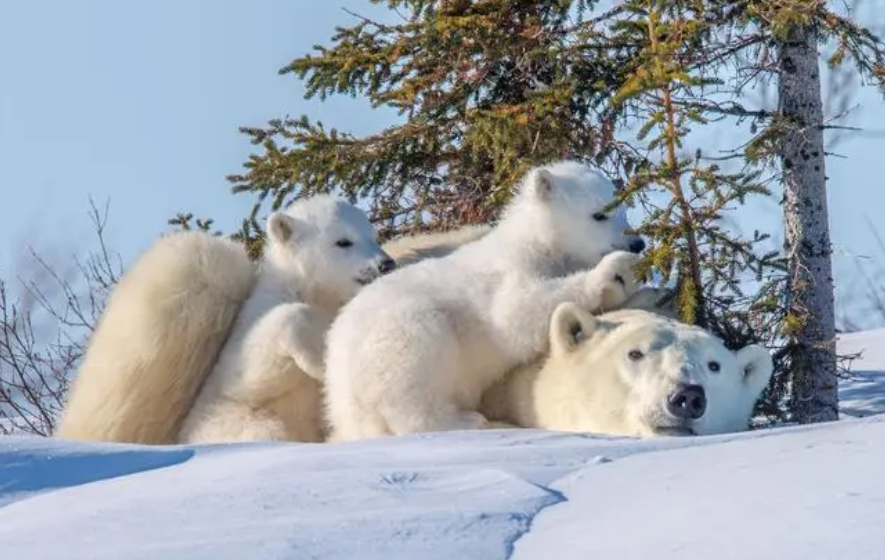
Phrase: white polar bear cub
pixel 632 373
pixel 267 382
pixel 414 351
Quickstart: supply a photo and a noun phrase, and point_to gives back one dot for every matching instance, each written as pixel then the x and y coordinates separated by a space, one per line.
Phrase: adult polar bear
pixel 158 337
pixel 169 317
pixel 631 373
pixel 414 351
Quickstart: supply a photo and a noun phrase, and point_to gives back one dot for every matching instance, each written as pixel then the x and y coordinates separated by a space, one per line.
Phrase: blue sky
pixel 139 102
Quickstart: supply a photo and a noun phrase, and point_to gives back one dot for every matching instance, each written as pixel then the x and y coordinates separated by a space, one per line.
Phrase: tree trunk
pixel 814 380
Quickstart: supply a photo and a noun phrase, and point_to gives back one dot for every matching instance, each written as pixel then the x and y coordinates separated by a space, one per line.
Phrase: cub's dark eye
pixel 344 243
pixel 600 217
pixel 635 355
pixel 714 366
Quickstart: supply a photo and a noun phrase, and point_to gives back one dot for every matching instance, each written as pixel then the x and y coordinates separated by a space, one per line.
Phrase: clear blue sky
pixel 139 102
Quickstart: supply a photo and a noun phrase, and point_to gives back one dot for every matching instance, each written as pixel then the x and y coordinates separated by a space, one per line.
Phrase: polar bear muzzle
pixel 386 264
pixel 637 245
pixel 688 402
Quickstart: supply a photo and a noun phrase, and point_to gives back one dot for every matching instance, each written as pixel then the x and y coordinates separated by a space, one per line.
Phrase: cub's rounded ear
pixel 756 366
pixel 280 227
pixel 570 326
pixel 540 184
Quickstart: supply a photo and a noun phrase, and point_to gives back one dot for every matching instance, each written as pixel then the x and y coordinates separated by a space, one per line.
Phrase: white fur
pixel 414 351
pixel 162 329
pixel 410 249
pixel 589 383
pixel 267 382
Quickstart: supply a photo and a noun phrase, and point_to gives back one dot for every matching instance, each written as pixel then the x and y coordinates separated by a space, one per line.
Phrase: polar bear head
pixel 564 204
pixel 636 373
pixel 326 245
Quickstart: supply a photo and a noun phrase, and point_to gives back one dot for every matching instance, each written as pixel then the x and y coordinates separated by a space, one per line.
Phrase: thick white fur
pixel 267 382
pixel 162 329
pixel 410 249
pixel 414 351
pixel 589 383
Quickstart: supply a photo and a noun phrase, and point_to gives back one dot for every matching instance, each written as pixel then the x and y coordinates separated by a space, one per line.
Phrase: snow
pixel 788 493
pixel 864 393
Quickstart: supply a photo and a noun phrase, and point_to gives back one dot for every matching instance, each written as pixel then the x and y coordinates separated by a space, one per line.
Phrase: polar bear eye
pixel 344 243
pixel 714 366
pixel 600 216
pixel 635 355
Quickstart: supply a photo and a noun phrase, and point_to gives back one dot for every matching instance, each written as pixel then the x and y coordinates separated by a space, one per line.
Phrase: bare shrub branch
pixel 46 319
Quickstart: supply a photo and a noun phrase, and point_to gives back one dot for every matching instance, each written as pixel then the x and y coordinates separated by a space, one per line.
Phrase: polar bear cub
pixel 414 351
pixel 632 373
pixel 266 384
pixel 410 249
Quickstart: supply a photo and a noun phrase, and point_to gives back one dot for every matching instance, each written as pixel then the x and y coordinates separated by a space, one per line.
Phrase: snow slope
pixel 791 493
pixel 864 393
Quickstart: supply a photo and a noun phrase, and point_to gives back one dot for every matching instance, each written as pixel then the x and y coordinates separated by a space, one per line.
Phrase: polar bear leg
pixel 401 378
pixel 289 334
pixel 434 415
pixel 424 399
pixel 224 421
pixel 302 335
pixel 259 427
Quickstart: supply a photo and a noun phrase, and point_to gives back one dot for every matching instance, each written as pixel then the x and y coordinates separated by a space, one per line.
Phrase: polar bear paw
pixel 468 420
pixel 615 278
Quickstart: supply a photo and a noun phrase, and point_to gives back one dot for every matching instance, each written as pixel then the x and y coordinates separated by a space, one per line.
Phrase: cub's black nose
pixel 637 245
pixel 687 401
pixel 386 265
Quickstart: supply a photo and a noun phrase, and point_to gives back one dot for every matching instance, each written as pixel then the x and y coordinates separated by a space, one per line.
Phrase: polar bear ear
pixel 280 227
pixel 756 366
pixel 570 326
pixel 540 184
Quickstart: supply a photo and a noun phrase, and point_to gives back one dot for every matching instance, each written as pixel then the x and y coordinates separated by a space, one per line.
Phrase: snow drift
pixel 790 493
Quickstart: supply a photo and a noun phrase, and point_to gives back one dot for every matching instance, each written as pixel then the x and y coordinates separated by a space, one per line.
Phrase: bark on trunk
pixel 814 379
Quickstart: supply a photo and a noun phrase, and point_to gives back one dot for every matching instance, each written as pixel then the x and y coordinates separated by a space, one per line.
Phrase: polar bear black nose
pixel 637 245
pixel 687 401
pixel 386 265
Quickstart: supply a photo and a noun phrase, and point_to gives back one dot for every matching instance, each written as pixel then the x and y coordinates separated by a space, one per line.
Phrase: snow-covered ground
pixel 864 393
pixel 790 493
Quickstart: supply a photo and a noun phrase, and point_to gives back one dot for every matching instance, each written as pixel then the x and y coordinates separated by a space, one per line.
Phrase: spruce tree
pixel 797 29
pixel 783 39
pixel 484 90
pixel 815 392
